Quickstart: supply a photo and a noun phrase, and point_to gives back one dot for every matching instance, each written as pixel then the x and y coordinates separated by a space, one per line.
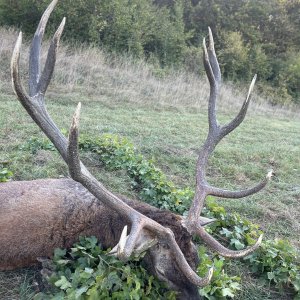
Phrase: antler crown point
pixel 270 174
pixel 260 239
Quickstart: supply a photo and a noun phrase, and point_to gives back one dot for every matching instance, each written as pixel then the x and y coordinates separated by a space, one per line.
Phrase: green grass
pixel 18 285
pixel 172 139
pixel 171 133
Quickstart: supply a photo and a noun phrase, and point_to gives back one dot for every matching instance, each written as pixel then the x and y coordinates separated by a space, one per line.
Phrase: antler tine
pixel 15 75
pixel 35 105
pixel 35 50
pixel 213 60
pixel 226 129
pixel 51 59
pixel 241 193
pixel 215 134
pixel 214 88
pixel 223 251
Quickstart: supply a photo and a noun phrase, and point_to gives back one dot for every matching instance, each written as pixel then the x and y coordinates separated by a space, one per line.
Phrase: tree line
pixel 252 36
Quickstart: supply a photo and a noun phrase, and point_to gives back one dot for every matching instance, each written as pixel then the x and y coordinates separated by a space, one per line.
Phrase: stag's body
pixel 45 214
pixel 40 215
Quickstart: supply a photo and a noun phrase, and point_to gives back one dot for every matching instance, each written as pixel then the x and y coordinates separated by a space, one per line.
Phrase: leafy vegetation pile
pixel 88 272
pixel 252 36
pixel 81 271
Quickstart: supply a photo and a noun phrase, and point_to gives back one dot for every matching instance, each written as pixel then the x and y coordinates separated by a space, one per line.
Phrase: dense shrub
pixel 251 36
pixel 137 26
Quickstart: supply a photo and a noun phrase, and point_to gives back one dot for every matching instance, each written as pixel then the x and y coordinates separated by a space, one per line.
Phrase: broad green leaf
pixel 227 292
pixel 63 283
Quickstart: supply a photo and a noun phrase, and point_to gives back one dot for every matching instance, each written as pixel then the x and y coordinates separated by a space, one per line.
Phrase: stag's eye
pixel 165 246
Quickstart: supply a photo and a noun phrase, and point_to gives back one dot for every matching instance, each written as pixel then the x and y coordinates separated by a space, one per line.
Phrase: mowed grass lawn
pixel 171 135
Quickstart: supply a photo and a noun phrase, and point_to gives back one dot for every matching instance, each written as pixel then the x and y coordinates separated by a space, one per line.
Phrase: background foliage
pixel 252 36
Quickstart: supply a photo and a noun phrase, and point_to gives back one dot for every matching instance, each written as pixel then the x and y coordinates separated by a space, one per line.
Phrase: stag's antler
pixel 215 134
pixel 144 231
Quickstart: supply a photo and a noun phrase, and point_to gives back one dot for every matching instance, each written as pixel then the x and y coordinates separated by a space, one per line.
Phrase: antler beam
pixel 215 134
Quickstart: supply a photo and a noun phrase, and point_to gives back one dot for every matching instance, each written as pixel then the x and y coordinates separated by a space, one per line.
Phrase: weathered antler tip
pixel 60 29
pixel 44 19
pixel 211 39
pixel 251 87
pixel 14 64
pixel 201 282
pixel 269 175
pixel 259 240
pixel 20 34
pixel 122 243
pixel 75 122
pixel 18 43
pixel 253 80
pixel 77 111
pixel 210 273
pixel 62 24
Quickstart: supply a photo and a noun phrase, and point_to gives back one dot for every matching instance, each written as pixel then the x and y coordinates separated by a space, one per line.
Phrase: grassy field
pixel 166 119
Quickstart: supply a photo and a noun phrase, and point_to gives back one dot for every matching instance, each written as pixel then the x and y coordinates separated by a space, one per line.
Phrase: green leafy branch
pixel 88 272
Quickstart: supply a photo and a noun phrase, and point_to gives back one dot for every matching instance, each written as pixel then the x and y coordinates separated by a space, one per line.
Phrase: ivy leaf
pixel 63 283
pixel 271 275
pixel 227 292
pixel 226 232
pixel 63 261
pixel 235 285
pixel 80 291
pixel 296 285
pixel 89 270
pixel 59 253
pixel 93 241
pixel 112 279
pixel 237 244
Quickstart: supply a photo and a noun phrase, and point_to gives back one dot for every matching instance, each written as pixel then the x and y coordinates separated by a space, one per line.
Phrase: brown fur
pixel 38 216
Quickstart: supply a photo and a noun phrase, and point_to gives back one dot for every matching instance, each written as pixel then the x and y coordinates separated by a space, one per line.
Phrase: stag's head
pixel 171 257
